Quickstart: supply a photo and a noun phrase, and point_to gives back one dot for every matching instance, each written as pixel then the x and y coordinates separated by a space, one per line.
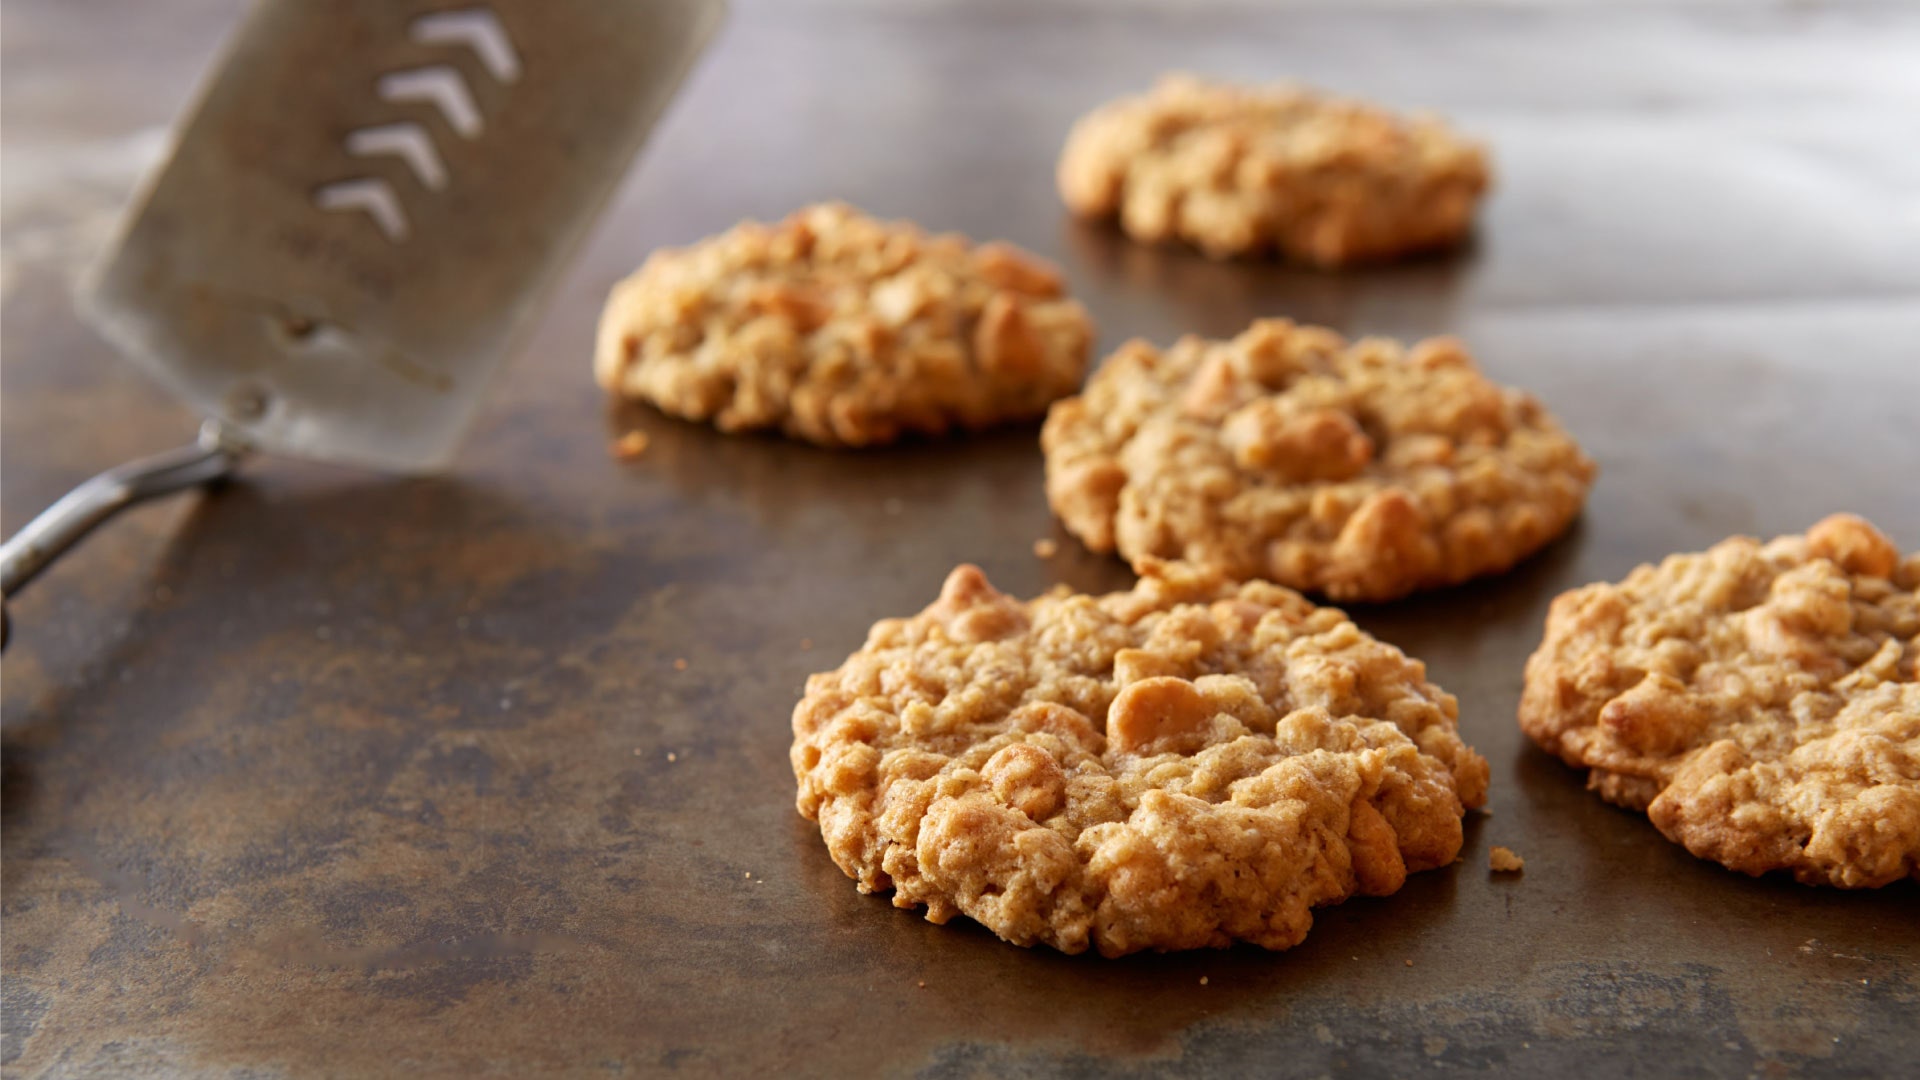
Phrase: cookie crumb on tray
pixel 629 446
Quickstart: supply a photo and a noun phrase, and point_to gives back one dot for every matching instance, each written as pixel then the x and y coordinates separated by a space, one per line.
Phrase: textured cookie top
pixel 842 330
pixel 1760 702
pixel 1236 170
pixel 1184 765
pixel 1362 470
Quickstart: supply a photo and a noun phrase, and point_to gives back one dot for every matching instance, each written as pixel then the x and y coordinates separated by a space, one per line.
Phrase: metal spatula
pixel 368 203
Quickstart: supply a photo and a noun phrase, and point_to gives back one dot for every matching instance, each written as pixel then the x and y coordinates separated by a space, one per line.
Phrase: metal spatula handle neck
pixel 61 525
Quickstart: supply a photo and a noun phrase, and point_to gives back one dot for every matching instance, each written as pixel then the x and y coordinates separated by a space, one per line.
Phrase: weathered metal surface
pixel 332 773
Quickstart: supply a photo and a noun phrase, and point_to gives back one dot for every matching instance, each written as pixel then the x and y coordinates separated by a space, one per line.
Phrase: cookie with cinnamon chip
pixel 1185 765
pixel 843 330
pixel 1360 470
pixel 1239 171
pixel 1759 701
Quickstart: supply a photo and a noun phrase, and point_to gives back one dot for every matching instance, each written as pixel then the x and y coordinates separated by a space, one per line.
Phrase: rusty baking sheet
pixel 334 774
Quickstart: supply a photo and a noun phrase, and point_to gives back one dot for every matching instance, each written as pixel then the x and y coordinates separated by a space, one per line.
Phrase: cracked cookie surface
pixel 1358 470
pixel 842 330
pixel 1759 701
pixel 1243 170
pixel 1181 766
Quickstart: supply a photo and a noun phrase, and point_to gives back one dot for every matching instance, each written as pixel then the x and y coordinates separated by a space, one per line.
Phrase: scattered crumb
pixel 748 875
pixel 1504 861
pixel 637 751
pixel 806 643
pixel 923 984
pixel 629 446
pixel 1046 549
pixel 1409 963
pixel 1203 980
pixel 680 665
pixel 671 756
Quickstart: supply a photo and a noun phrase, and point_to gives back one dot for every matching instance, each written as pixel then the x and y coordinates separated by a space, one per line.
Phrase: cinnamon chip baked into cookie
pixel 1181 766
pixel 1359 470
pixel 1759 701
pixel 842 330
pixel 1241 170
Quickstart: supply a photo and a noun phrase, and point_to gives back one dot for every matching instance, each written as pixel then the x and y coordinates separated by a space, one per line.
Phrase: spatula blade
pixel 371 199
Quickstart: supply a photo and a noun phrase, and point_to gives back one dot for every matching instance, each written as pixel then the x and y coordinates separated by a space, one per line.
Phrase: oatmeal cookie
pixel 1759 701
pixel 1237 171
pixel 1362 470
pixel 1182 766
pixel 842 330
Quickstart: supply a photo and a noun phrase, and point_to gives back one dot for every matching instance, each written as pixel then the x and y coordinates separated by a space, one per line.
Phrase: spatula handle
pixel 213 456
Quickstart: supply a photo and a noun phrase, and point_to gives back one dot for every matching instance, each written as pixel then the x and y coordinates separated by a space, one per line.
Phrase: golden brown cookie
pixel 842 330
pixel 1238 170
pixel 1358 470
pixel 1182 766
pixel 1758 701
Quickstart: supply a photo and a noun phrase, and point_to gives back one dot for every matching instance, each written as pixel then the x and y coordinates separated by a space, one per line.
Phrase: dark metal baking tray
pixel 333 774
